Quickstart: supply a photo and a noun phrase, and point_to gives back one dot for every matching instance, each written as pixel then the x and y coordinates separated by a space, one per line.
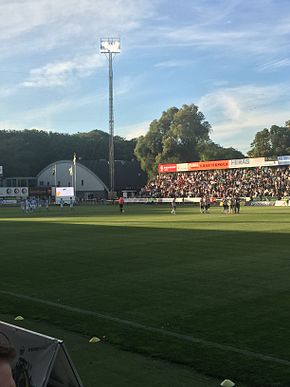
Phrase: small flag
pixel 19 318
pixel 75 159
pixel 54 170
pixel 70 171
pixel 94 339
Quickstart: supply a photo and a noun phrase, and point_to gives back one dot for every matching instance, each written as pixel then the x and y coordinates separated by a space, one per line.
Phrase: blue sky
pixel 231 58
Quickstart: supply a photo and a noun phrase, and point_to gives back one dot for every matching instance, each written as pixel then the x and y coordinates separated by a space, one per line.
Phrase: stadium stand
pixel 261 182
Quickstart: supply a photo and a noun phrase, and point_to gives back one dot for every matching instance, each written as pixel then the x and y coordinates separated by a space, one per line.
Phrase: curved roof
pixel 50 166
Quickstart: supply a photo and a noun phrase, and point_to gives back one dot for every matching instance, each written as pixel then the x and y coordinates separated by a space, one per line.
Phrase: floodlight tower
pixel 110 47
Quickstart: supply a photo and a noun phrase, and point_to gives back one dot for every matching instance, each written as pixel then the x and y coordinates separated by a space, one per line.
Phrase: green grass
pixel 218 278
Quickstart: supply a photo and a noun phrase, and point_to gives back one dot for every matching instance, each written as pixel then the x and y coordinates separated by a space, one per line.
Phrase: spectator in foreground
pixel 7 354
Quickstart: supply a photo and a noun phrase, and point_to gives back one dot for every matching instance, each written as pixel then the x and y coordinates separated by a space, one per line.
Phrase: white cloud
pixel 18 125
pixel 274 64
pixel 55 43
pixel 239 112
pixel 230 27
pixel 10 125
pixel 174 63
pixel 135 130
pixel 7 91
pixel 41 114
pixel 81 18
pixel 59 73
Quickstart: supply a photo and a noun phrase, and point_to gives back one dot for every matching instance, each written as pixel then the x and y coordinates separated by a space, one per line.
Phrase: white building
pixel 64 174
pixel 92 178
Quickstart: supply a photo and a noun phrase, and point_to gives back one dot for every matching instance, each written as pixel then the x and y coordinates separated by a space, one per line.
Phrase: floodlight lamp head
pixel 110 45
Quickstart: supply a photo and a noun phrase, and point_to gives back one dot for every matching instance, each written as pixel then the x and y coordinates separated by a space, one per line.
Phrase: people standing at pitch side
pixel 225 205
pixel 204 204
pixel 231 205
pixel 173 206
pixel 121 204
pixel 237 205
pixel 7 354
pixel 207 204
pixel 201 205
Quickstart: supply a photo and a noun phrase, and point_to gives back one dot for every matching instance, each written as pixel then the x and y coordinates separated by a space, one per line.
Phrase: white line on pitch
pixel 148 328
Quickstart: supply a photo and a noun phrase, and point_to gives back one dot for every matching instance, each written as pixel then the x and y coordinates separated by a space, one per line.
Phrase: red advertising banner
pixel 162 168
pixel 204 165
pixel 225 164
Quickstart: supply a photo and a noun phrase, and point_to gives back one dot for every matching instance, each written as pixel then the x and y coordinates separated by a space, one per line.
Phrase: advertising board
pixel 249 162
pixel 14 192
pixel 281 203
pixel 246 163
pixel 183 167
pixel 163 168
pixel 64 195
pixel 207 165
pixel 64 192
pixel 283 160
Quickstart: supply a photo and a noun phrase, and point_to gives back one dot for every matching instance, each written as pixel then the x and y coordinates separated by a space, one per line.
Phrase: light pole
pixel 110 47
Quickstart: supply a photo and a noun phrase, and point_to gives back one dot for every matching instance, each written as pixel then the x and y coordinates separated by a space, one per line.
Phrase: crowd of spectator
pixel 243 182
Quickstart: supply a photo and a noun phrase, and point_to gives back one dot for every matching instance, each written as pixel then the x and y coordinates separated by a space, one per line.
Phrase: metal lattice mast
pixel 110 47
pixel 111 125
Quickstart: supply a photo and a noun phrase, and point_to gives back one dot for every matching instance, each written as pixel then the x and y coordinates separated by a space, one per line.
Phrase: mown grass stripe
pixel 148 328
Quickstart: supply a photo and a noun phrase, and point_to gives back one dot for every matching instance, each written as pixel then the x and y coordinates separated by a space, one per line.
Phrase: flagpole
pixel 75 178
pixel 55 176
pixel 75 172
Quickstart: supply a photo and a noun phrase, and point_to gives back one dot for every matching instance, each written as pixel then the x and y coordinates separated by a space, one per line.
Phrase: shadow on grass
pixel 227 287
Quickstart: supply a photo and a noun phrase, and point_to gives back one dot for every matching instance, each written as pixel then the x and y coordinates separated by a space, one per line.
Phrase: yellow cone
pixel 227 383
pixel 19 318
pixel 94 339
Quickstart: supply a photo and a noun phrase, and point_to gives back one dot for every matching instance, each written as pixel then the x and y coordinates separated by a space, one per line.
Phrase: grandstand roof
pixel 128 174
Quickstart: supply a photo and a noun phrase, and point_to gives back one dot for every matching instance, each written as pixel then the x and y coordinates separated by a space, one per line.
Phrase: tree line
pixel 179 135
pixel 26 152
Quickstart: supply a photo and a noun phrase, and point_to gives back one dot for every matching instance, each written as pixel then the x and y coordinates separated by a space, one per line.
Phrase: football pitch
pixel 208 291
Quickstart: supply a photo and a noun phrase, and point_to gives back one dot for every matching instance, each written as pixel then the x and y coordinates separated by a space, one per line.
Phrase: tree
pixel 213 151
pixel 280 140
pixel 261 145
pixel 26 152
pixel 175 137
pixel 273 142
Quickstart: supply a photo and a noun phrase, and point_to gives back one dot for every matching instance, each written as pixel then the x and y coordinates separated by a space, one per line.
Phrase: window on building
pixel 58 183
pixel 32 182
pixel 41 183
pixel 82 182
pixel 68 184
pixel 48 184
